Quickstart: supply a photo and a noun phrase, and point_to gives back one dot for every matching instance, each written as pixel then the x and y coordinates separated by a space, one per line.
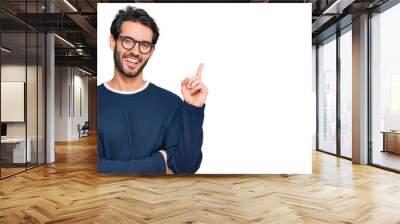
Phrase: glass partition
pixel 13 109
pixel 22 89
pixel 31 100
pixel 41 91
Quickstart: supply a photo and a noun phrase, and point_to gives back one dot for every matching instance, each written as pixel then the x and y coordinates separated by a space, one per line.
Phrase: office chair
pixel 84 130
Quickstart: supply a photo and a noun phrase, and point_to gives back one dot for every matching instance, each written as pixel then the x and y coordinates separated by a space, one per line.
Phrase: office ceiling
pixel 76 21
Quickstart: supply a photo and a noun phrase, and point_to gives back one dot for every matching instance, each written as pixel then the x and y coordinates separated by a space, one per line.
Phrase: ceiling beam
pixel 82 61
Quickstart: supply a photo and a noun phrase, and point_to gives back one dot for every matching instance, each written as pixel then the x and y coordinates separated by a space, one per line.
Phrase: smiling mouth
pixel 131 62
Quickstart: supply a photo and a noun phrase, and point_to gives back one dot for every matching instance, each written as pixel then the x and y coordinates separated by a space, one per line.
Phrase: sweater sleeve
pixel 184 138
pixel 153 164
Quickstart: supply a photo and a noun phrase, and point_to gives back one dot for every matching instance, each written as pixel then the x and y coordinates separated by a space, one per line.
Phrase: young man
pixel 142 128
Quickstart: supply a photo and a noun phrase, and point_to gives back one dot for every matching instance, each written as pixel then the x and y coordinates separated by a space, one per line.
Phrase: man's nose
pixel 135 50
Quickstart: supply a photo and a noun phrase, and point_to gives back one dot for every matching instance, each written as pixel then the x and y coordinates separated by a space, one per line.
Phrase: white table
pixel 19 155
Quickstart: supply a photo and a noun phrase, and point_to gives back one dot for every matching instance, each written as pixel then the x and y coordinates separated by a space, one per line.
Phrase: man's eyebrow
pixel 135 38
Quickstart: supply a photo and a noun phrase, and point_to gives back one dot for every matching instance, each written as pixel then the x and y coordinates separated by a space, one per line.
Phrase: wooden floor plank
pixel 70 191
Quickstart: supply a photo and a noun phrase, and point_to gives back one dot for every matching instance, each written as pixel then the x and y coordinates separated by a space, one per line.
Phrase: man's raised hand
pixel 193 89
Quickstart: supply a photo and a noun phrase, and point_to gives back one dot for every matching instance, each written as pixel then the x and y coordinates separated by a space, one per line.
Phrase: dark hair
pixel 135 15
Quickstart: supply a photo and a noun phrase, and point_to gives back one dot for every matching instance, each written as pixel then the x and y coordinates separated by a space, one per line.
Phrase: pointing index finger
pixel 200 69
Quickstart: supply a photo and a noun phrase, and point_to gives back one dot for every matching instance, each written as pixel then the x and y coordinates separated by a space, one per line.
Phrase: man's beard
pixel 118 64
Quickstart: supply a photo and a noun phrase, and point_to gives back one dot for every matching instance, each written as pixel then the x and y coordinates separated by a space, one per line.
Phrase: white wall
pixel 61 103
pixel 80 83
pixel 15 72
pixel 68 83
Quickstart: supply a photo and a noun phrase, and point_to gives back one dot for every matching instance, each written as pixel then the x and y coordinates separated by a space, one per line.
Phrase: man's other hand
pixel 165 155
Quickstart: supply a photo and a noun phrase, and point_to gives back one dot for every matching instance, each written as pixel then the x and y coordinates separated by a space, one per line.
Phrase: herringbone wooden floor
pixel 70 191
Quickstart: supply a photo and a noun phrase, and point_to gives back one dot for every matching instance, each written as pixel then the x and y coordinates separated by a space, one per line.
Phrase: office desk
pixel 13 150
pixel 391 141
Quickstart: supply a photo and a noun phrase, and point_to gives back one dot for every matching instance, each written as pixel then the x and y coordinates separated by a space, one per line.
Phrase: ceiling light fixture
pixel 70 5
pixel 338 6
pixel 64 40
pixel 84 71
pixel 5 50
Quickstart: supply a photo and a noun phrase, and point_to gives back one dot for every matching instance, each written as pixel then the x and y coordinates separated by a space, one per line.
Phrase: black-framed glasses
pixel 129 43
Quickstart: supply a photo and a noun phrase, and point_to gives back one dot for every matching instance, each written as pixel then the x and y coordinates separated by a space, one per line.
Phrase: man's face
pixel 131 62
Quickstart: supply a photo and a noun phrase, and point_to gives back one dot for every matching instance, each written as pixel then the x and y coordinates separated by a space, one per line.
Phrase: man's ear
pixel 112 42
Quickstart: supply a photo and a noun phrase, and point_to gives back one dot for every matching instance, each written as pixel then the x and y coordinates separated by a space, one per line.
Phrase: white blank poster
pixel 12 101
pixel 257 66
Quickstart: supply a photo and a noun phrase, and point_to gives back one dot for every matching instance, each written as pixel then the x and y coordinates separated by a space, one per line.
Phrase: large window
pixel 346 92
pixel 334 138
pixel 327 96
pixel 385 88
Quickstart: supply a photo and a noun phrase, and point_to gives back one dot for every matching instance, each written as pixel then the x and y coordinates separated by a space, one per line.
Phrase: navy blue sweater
pixel 133 128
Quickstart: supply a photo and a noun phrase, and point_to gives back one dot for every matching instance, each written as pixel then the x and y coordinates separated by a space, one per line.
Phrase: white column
pixel 50 93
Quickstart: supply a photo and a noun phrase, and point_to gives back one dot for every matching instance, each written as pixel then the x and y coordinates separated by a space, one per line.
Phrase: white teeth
pixel 131 60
